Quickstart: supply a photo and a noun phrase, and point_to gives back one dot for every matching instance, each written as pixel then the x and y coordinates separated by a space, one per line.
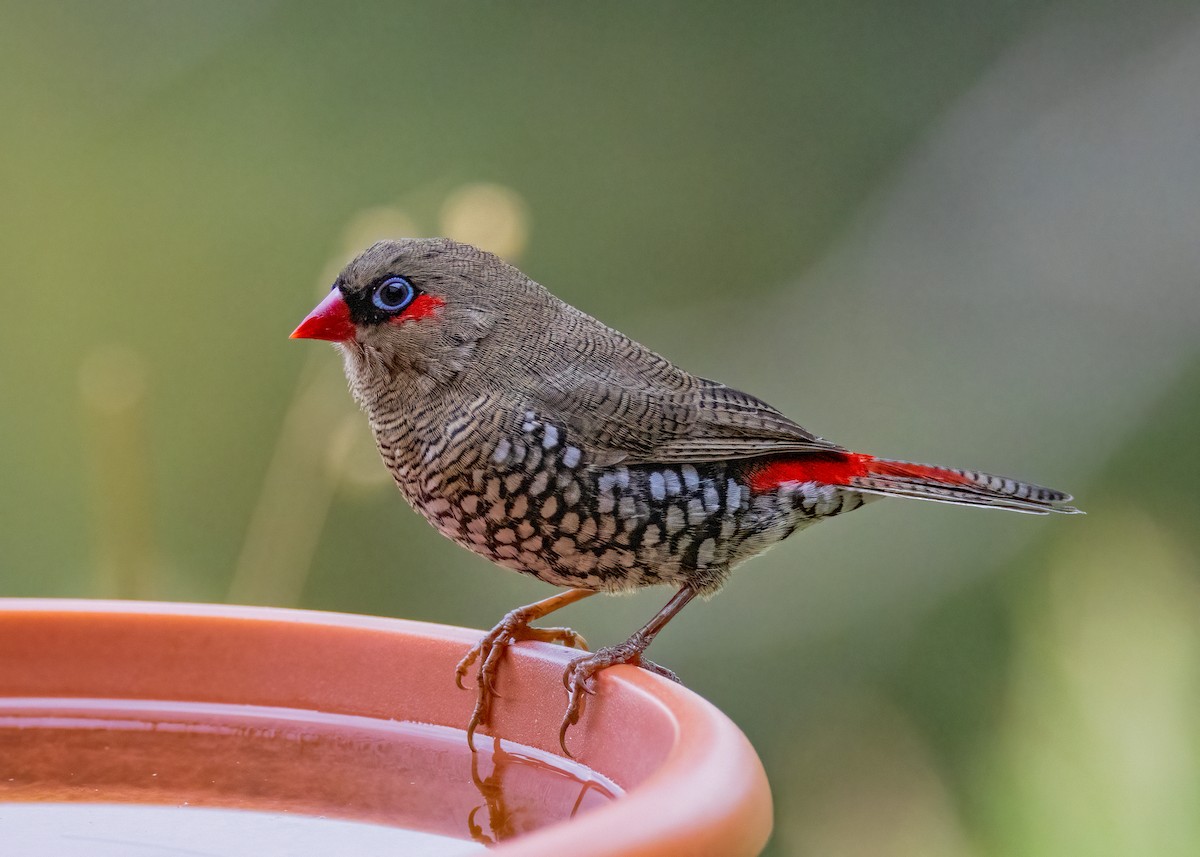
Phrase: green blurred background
pixel 963 232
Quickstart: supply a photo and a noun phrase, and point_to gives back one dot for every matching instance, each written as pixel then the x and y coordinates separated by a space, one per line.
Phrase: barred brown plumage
pixel 532 434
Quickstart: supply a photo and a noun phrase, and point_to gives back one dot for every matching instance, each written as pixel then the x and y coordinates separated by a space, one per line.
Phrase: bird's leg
pixel 579 677
pixel 513 628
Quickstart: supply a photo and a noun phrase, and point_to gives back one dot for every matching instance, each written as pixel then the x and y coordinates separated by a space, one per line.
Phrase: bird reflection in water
pixel 517 810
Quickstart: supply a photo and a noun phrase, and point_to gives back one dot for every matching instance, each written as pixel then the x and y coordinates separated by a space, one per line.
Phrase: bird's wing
pixel 672 417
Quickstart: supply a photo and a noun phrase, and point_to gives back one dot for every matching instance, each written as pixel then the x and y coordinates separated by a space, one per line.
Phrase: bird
pixel 549 443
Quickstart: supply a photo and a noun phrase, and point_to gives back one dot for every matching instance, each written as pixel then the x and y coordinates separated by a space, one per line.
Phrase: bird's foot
pixel 513 628
pixel 580 677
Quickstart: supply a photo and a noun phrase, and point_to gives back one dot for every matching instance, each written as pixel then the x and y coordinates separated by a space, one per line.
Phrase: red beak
pixel 330 320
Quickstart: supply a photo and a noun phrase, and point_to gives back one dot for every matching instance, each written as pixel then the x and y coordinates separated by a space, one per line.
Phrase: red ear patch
pixel 423 306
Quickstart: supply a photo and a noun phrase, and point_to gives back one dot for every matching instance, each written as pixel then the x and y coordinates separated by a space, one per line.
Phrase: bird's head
pixel 417 309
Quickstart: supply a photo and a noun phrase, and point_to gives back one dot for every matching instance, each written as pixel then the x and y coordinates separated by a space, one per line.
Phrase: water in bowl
pixel 201 778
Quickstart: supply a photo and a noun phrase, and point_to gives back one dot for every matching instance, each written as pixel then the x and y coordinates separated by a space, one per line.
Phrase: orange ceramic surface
pixel 342 686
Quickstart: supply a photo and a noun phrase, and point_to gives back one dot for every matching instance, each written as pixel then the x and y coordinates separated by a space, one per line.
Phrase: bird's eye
pixel 393 294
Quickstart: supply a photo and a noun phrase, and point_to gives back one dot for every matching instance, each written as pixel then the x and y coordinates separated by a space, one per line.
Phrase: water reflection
pixel 506 796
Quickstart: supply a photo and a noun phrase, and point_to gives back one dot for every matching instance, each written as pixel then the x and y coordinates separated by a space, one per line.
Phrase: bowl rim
pixel 706 794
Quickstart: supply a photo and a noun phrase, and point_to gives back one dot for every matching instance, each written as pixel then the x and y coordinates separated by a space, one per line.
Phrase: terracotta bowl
pixel 357 718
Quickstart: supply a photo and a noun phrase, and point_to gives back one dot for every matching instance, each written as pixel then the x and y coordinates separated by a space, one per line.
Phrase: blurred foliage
pixel 178 180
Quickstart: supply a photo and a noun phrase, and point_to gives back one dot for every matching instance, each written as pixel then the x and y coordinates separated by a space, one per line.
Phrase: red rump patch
pixel 840 468
pixel 830 468
pixel 422 307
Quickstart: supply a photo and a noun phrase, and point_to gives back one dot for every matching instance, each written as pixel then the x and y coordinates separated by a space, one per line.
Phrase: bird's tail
pixel 881 476
pixel 963 487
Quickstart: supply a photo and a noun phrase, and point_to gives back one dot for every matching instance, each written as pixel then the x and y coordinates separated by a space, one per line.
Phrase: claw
pixel 576 685
pixel 562 737
pixel 460 674
pixel 570 718
pixel 489 651
pixel 471 733
pixel 464 666
pixel 579 676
